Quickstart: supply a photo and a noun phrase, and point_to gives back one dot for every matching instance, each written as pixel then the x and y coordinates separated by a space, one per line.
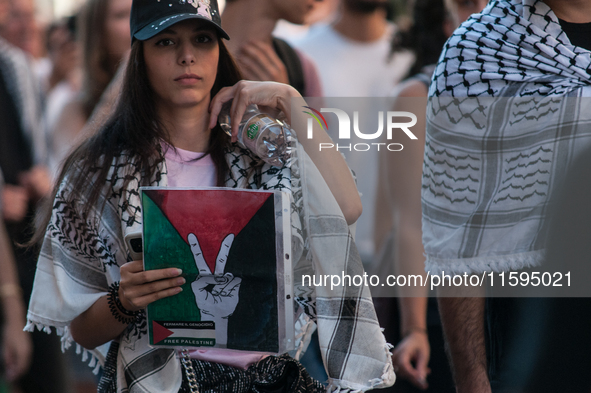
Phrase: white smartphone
pixel 135 246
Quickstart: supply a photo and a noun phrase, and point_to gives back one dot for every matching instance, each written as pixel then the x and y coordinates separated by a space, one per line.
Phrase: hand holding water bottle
pixel 330 163
pixel 257 130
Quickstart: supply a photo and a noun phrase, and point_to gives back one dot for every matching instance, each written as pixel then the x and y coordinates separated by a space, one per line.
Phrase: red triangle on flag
pixel 159 332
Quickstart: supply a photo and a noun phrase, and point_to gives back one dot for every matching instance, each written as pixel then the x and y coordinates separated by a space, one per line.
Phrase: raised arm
pixel 330 163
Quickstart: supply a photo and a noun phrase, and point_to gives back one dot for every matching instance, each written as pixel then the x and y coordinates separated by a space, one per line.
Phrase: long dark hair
pixel 134 129
pixel 426 36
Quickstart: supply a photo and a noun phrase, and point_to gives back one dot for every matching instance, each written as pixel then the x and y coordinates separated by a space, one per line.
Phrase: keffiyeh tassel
pixel 66 342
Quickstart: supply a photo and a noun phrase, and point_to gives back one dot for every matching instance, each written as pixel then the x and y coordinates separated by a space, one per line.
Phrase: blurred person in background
pixel 104 32
pixel 15 344
pixel 261 56
pixel 411 318
pixel 19 33
pixel 27 181
pixel 353 53
pixel 64 80
pixel 353 59
pixel 63 52
pixel 324 12
pixel 22 29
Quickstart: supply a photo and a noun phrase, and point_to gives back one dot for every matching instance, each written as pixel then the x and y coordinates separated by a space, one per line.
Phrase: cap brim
pixel 162 24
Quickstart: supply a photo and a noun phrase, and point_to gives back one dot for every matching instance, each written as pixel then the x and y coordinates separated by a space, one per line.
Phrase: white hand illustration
pixel 216 294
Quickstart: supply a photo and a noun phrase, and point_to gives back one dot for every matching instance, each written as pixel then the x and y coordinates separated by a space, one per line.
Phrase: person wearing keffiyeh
pixel 178 76
pixel 22 153
pixel 507 116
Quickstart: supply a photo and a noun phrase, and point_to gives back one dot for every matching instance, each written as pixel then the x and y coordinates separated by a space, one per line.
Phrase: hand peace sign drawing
pixel 216 294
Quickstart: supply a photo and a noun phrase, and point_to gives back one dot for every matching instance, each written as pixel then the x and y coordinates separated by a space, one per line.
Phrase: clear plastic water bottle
pixel 263 135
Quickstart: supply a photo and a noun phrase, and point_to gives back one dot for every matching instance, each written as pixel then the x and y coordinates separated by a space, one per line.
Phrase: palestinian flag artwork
pixel 233 247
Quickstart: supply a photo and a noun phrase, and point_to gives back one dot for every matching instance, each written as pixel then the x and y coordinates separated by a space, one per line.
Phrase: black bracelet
pixel 118 303
pixel 117 308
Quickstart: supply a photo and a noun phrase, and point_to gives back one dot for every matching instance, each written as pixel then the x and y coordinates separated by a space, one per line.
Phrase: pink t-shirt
pixel 184 171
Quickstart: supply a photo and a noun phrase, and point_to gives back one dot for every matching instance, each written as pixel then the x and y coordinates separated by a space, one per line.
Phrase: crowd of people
pixel 126 93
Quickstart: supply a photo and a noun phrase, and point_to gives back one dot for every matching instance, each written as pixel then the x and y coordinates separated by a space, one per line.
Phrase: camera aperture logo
pixel 344 132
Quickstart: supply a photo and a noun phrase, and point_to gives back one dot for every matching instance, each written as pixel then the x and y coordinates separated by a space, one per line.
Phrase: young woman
pixel 179 75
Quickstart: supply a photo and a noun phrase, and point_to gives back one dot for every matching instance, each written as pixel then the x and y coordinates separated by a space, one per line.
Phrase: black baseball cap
pixel 150 17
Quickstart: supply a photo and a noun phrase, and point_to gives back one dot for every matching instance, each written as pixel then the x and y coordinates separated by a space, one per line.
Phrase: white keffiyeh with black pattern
pixel 507 115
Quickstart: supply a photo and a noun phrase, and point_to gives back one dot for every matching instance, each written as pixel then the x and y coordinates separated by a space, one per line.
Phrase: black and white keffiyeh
pixel 76 268
pixel 507 114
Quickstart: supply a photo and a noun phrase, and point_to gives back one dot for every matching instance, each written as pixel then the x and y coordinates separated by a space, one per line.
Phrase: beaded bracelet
pixel 117 308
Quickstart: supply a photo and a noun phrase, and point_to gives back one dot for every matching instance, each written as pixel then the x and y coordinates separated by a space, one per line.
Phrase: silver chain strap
pixel 189 370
